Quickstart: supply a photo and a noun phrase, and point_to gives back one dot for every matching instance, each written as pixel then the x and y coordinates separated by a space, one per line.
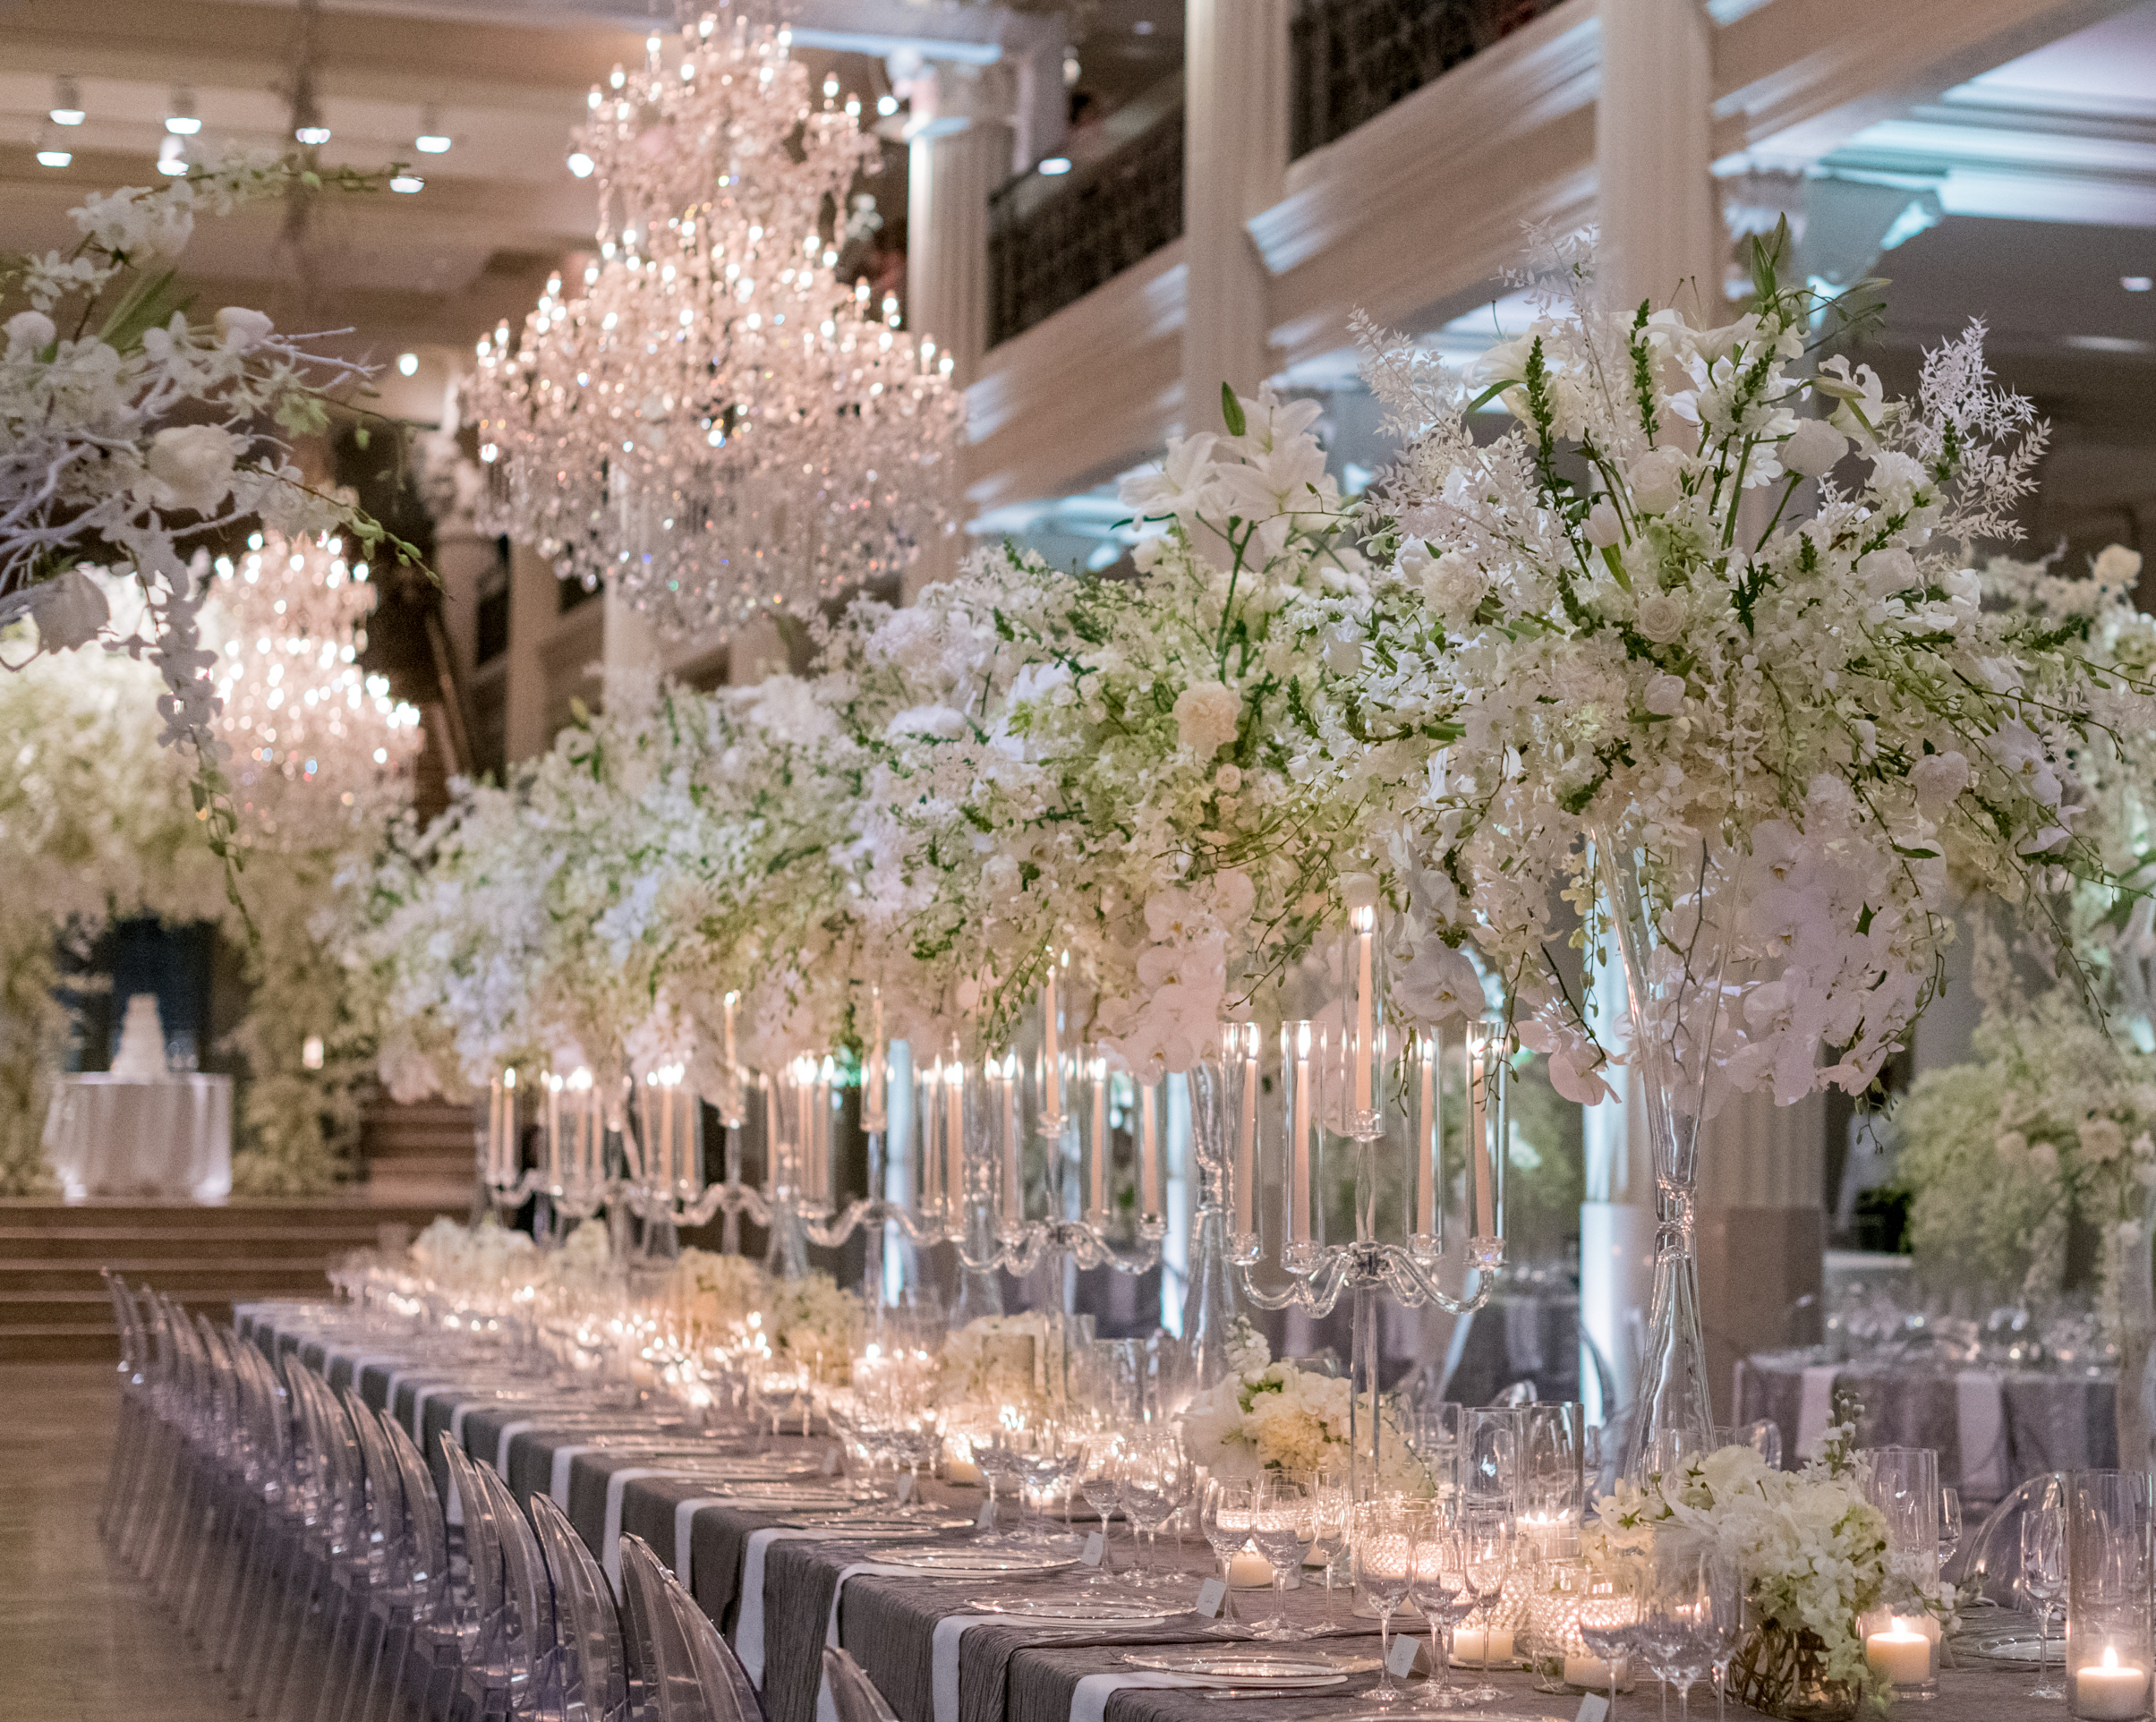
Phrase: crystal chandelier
pixel 314 739
pixel 719 425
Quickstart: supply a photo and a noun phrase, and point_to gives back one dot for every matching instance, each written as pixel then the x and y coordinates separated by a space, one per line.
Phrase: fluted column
pixel 1654 155
pixel 952 168
pixel 1235 161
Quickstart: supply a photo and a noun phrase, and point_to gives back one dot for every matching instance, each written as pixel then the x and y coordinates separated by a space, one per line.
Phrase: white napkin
pixel 1815 1409
pixel 827 1708
pixel 748 1626
pixel 1089 1702
pixel 943 1660
pixel 684 1518
pixel 609 1540
pixel 1980 1412
pixel 558 1484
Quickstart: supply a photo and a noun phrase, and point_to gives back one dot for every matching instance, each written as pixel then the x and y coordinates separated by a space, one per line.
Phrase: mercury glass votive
pixel 2110 1589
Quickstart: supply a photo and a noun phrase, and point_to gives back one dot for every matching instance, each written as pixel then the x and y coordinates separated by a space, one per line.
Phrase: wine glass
pixel 1608 1616
pixel 1097 1482
pixel 1152 1484
pixel 1223 1515
pixel 1379 1548
pixel 1281 1529
pixel 1724 1626
pixel 1485 1561
pixel 1949 1524
pixel 999 1462
pixel 2043 1576
pixel 1676 1620
pixel 1330 1498
pixel 1438 1588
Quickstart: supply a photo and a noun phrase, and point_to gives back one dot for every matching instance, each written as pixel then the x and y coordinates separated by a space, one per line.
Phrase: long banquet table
pixel 932 1658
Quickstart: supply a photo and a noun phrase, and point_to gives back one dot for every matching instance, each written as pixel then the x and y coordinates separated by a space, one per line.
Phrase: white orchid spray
pixel 1590 624
pixel 132 435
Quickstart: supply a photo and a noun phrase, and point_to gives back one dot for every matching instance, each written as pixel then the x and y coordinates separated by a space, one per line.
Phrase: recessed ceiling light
pixel 431 143
pixel 172 157
pixel 407 182
pixel 407 364
pixel 313 136
pixel 67 102
pixel 580 165
pixel 1143 27
pixel 2136 283
pixel 1054 165
pixel 55 158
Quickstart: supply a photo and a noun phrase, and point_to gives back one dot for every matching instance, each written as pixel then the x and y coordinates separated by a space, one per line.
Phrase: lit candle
pixel 1149 1156
pixel 1589 1671
pixel 1007 1093
pixel 954 1133
pixel 819 1141
pixel 1096 1180
pixel 1471 1644
pixel 735 1108
pixel 2106 1689
pixel 1428 1137
pixel 1295 1043
pixel 1902 1656
pixel 1363 919
pixel 1052 1065
pixel 667 1152
pixel 1249 1571
pixel 1244 1042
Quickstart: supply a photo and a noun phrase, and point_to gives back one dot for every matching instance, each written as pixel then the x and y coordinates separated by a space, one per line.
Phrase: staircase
pixel 52 1304
pixel 420 1154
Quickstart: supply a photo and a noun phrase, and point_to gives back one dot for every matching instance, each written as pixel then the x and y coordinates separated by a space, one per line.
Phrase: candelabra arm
pixel 1413 1286
pixel 838 1230
pixel 918 1229
pixel 1317 1294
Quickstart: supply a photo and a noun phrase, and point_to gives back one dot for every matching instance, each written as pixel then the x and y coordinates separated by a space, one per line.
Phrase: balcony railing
pixel 1354 58
pixel 1050 242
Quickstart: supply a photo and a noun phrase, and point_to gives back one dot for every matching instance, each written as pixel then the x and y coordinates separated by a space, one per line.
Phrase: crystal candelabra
pixel 1344 1092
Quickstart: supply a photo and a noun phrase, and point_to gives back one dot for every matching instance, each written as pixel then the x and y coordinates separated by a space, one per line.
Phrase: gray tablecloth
pixel 1005 1675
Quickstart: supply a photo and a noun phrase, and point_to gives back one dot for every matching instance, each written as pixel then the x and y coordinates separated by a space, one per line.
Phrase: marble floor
pixel 79 1641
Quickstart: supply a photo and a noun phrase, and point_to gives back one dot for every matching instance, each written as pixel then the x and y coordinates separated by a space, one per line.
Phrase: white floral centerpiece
pixel 716 1294
pixel 815 1325
pixel 1269 1415
pixel 980 1372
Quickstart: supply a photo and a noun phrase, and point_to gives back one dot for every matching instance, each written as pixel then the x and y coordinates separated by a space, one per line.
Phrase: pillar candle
pixel 1244 1040
pixel 1096 1180
pixel 2105 1689
pixel 1295 1045
pixel 1904 1658
pixel 1149 1152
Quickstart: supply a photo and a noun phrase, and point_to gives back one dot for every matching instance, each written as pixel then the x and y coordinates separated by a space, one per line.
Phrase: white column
pixel 1654 156
pixel 1235 162
pixel 950 175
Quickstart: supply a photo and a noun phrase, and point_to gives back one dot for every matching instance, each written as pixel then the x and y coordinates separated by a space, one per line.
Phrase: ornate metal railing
pixel 1051 241
pixel 1353 59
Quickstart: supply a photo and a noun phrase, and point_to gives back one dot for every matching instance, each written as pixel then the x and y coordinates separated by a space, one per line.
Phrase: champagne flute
pixel 1379 1547
pixel 1330 1499
pixel 1280 1526
pixel 1725 1622
pixel 1485 1561
pixel 1949 1524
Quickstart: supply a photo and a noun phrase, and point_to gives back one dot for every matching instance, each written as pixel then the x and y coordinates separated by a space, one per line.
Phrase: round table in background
pixel 169 1140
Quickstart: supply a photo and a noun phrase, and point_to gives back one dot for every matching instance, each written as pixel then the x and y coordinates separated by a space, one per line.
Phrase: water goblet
pixel 1608 1616
pixel 1098 1483
pixel 2043 1576
pixel 1280 1528
pixel 1224 1514
pixel 1379 1547
pixel 1437 1587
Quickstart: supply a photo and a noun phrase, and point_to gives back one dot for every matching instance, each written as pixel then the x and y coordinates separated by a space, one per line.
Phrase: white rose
pixel 70 610
pixel 1813 448
pixel 193 462
pixel 1664 696
pixel 2116 566
pixel 240 330
pixel 31 332
pixel 1936 779
pixel 1205 716
pixel 1415 559
pixel 1660 618
pixel 1228 780
pixel 1886 572
pixel 1603 526
pixel 1656 480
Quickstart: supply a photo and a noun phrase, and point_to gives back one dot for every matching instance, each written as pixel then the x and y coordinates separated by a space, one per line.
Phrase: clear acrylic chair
pixel 853 1694
pixel 594 1680
pixel 433 1636
pixel 692 1675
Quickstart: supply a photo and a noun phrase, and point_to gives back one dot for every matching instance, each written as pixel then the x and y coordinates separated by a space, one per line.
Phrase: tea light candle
pixel 1247 1569
pixel 1902 1655
pixel 1589 1671
pixel 957 1462
pixel 2110 1688
pixel 1471 1643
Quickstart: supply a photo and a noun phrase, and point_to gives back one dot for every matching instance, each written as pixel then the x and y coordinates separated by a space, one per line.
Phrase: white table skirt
pixel 170 1138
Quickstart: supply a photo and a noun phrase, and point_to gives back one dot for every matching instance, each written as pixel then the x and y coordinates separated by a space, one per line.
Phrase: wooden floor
pixel 79 1641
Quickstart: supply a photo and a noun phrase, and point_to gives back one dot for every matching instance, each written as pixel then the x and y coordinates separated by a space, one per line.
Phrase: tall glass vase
pixel 1669 934
pixel 1211 1308
pixel 2132 1296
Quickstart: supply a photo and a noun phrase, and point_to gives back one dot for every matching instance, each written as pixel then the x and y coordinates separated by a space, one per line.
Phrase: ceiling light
pixel 180 117
pixel 887 106
pixel 431 140
pixel 2136 283
pixel 407 364
pixel 67 102
pixel 407 182
pixel 172 157
pixel 580 165
pixel 313 136
pixel 1054 165
pixel 55 158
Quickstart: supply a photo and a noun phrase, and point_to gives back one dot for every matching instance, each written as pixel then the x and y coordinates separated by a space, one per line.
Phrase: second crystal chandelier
pixel 719 425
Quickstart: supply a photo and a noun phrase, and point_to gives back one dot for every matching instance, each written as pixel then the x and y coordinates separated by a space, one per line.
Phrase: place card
pixel 986 1521
pixel 1400 1658
pixel 1210 1595
pixel 905 1487
pixel 1096 1547
pixel 1593 1708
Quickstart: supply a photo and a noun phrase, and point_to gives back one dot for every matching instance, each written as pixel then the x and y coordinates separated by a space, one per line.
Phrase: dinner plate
pixel 1078 1609
pixel 1239 1667
pixel 964 1562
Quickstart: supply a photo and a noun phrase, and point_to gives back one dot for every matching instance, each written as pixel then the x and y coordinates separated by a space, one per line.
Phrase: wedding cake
pixel 142 1054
